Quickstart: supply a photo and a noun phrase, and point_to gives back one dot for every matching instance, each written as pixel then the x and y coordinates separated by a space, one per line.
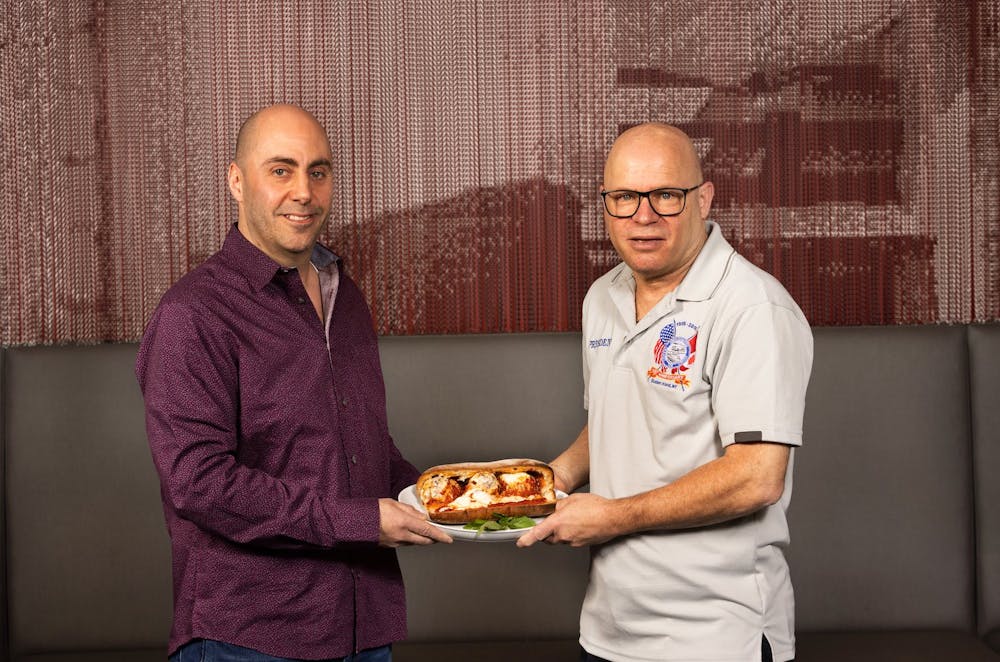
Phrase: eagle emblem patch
pixel 673 355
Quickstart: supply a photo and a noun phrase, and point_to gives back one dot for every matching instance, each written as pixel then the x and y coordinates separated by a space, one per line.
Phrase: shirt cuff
pixel 354 520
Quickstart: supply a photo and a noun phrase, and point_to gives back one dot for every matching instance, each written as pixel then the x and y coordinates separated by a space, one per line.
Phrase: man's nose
pixel 302 187
pixel 645 214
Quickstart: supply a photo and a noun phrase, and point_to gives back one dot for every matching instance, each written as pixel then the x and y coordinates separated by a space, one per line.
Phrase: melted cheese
pixel 471 499
pixel 514 479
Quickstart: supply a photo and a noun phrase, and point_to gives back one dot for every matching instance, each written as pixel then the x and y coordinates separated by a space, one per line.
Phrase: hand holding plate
pixel 580 519
pixel 401 524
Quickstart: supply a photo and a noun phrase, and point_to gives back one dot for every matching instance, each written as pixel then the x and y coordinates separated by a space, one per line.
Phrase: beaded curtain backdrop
pixel 854 146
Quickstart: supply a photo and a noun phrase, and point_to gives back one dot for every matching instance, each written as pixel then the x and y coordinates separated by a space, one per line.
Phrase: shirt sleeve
pixel 189 378
pixel 403 474
pixel 760 378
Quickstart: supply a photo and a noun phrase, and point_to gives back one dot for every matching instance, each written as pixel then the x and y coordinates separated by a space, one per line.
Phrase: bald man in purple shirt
pixel 265 412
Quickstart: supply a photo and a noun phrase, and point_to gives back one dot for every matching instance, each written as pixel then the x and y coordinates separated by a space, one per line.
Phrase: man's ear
pixel 705 195
pixel 235 178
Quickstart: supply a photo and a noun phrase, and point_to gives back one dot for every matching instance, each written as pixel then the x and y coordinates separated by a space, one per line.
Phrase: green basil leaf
pixel 499 523
pixel 475 524
pixel 522 522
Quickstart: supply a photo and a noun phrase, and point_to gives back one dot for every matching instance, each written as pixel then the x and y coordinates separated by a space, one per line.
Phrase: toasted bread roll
pixel 460 493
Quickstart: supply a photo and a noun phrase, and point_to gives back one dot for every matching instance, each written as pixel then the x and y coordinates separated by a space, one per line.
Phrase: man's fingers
pixel 410 510
pixel 431 534
pixel 535 534
pixel 527 539
pixel 422 531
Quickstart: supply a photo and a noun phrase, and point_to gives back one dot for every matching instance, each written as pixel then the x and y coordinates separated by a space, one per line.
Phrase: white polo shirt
pixel 724 358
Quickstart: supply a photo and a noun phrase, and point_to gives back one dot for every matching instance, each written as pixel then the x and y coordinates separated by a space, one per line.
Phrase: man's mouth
pixel 299 218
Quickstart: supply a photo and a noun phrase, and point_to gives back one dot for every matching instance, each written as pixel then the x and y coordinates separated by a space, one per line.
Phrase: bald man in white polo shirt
pixel 696 364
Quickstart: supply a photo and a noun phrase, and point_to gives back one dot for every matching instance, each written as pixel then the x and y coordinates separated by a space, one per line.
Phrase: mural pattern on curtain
pixel 854 146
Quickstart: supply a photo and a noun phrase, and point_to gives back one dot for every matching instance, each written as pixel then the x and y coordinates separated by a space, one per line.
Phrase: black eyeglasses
pixel 664 201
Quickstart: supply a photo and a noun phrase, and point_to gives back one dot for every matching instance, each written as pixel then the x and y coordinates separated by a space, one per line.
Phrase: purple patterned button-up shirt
pixel 268 430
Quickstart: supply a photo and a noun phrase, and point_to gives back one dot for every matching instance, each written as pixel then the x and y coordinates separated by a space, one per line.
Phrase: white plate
pixel 456 531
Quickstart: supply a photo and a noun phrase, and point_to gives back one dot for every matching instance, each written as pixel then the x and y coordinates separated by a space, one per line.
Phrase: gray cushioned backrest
pixel 881 515
pixel 3 509
pixel 88 556
pixel 984 359
pixel 477 395
pixel 459 398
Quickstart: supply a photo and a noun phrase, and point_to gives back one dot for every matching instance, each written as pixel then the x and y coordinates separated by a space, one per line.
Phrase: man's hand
pixel 580 519
pixel 401 524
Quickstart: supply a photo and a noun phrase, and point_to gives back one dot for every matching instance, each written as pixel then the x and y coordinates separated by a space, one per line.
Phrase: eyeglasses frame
pixel 645 194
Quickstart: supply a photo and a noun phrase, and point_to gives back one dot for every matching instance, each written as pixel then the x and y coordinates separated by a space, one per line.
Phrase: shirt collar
pixel 256 266
pixel 709 267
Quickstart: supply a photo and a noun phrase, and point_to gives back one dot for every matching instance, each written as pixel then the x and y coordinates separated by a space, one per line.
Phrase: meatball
pixel 485 481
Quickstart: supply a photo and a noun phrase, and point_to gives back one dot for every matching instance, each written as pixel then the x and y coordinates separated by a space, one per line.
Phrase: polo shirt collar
pixel 256 266
pixel 709 267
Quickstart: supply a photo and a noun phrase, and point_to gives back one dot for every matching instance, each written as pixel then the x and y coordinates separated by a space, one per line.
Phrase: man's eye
pixel 318 174
pixel 280 172
pixel 665 195
pixel 624 196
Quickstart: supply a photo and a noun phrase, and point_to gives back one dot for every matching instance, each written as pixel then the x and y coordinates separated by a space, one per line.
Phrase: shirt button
pixel 302 299
pixel 354 459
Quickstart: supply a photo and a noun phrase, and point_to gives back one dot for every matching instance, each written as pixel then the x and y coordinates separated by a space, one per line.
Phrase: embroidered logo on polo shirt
pixel 674 354
pixel 599 342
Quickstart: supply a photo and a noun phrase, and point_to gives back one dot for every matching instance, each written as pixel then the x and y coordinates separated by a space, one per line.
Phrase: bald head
pixel 655 145
pixel 264 120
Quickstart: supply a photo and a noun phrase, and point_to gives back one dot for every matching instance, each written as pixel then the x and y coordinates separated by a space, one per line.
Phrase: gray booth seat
pixel 882 514
pixel 87 554
pixel 895 512
pixel 984 363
